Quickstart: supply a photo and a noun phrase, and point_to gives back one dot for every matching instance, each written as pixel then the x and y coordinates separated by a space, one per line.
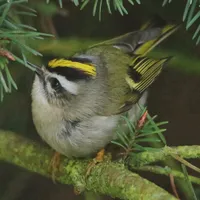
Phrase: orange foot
pixel 54 165
pixel 99 158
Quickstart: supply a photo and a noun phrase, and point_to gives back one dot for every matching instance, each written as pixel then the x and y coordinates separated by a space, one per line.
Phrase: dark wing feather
pixel 143 72
pixel 139 77
pixel 142 41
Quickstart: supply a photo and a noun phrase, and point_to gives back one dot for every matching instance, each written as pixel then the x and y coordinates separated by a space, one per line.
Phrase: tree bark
pixel 106 178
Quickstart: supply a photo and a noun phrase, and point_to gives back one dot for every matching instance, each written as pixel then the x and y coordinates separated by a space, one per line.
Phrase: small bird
pixel 77 101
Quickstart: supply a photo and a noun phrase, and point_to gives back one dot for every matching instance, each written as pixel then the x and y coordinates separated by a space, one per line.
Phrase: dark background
pixel 174 97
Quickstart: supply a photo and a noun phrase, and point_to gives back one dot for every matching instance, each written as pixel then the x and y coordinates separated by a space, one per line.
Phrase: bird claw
pixel 54 165
pixel 99 158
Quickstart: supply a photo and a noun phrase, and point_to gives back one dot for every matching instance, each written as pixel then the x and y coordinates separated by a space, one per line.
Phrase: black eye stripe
pixel 71 74
pixel 80 59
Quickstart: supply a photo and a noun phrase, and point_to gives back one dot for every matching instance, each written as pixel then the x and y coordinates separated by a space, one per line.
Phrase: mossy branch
pixel 106 178
pixel 148 157
pixel 167 171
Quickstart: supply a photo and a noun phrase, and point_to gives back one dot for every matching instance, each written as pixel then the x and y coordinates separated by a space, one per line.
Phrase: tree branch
pixel 148 157
pixel 167 171
pixel 106 178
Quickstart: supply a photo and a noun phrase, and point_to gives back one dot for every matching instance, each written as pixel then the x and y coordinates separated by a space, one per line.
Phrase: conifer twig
pixel 171 177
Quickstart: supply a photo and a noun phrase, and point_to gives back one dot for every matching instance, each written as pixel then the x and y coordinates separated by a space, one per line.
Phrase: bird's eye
pixel 55 84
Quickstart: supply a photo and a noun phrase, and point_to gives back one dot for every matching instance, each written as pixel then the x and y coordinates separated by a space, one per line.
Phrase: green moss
pixel 105 178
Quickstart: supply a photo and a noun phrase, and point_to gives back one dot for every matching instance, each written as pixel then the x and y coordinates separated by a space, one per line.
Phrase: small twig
pixel 5 38
pixel 171 177
pixel 148 157
pixel 139 126
pixel 142 120
pixel 51 26
pixel 166 171
pixel 7 54
pixel 185 162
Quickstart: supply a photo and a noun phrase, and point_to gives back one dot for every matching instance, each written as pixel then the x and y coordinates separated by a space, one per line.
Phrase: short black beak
pixel 38 70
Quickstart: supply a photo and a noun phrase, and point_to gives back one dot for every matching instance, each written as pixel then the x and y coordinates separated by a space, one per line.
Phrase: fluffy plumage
pixel 78 101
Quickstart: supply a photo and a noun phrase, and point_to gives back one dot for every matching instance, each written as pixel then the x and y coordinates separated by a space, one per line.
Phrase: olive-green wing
pixel 139 76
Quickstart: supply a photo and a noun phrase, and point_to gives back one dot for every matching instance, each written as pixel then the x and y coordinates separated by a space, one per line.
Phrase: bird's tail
pixel 165 31
pixel 144 40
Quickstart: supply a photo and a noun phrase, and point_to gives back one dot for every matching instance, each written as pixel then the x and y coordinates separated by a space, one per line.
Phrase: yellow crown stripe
pixel 89 69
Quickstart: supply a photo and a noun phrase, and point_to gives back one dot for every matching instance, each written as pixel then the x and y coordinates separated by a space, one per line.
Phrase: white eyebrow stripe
pixel 67 85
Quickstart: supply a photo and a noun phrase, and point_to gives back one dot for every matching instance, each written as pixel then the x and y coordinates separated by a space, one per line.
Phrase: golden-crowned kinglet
pixel 77 101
